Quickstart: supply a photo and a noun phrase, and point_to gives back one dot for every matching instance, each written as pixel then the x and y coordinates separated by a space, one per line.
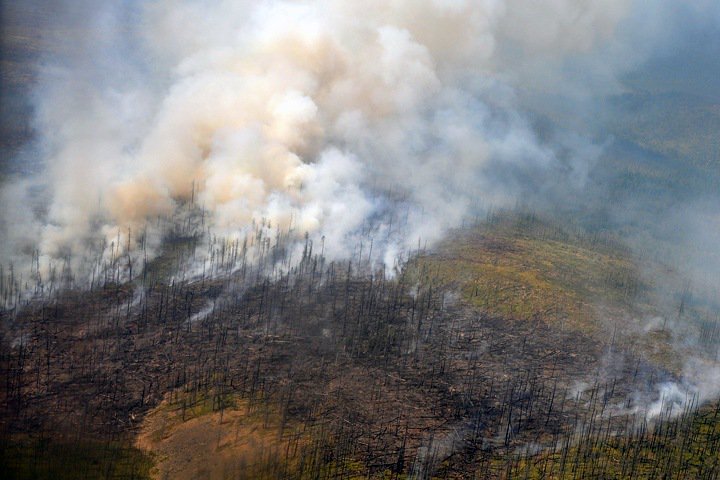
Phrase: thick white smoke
pixel 320 116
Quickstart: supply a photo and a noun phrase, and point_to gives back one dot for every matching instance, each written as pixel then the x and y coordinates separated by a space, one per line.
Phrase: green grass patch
pixel 520 266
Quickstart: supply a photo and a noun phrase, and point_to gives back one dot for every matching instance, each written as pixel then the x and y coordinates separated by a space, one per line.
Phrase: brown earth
pixel 233 443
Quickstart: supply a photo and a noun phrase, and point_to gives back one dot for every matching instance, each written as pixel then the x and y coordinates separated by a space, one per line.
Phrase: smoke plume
pixel 311 116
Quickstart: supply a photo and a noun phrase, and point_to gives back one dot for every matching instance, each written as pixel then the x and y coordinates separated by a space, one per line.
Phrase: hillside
pixel 495 341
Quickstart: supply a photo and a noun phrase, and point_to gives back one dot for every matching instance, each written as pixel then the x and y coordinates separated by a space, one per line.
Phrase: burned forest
pixel 352 372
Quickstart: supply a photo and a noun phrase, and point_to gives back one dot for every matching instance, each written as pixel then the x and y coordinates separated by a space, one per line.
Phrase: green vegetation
pixel 525 268
pixel 682 448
